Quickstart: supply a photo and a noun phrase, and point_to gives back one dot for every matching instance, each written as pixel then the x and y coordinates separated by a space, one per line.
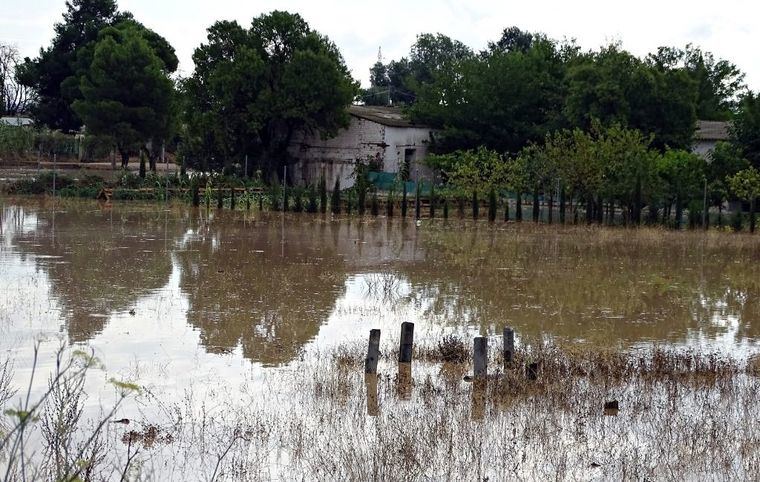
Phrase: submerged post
pixel 373 353
pixel 407 340
pixel 531 371
pixel 509 345
pixel 480 357
pixel 370 383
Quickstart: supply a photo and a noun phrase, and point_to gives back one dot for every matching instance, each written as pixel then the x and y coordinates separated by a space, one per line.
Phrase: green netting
pixel 385 181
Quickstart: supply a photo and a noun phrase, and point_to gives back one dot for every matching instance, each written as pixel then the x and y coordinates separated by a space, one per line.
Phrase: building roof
pixel 712 130
pixel 384 115
pixel 16 121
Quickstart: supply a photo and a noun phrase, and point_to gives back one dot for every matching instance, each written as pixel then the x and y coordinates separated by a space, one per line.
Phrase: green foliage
pixel 746 128
pixel 253 89
pixel 322 194
pixel 297 200
pixel 404 201
pixel 717 82
pixel 492 205
pixel 142 165
pixel 335 201
pixel 399 82
pixel 53 74
pixel 725 160
pixel 614 87
pixel 746 184
pixel 500 99
pixel 126 91
pixel 479 169
pixel 312 195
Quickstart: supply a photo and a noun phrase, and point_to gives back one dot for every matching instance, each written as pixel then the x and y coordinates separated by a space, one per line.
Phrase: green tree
pixel 254 89
pixel 126 91
pixel 683 174
pixel 717 82
pixel 477 170
pixel 500 99
pixel 745 131
pixel 746 185
pixel 53 75
pixel 614 87
pixel 724 161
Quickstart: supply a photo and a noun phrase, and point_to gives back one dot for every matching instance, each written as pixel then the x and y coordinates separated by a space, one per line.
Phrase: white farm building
pixel 379 133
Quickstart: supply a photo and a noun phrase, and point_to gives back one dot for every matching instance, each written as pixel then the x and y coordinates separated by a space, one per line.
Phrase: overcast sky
pixel 728 28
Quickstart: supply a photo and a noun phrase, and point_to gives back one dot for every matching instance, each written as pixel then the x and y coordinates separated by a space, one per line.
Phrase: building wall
pixel 703 147
pixel 399 139
pixel 363 139
pixel 337 156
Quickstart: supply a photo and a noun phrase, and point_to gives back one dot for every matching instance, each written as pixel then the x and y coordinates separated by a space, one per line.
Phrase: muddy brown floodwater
pixel 184 301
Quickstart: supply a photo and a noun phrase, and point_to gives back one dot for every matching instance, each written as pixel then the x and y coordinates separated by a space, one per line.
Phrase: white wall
pixel 401 138
pixel 703 148
pixel 336 157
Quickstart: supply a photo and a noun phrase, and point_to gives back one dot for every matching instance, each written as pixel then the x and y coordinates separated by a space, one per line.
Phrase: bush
pixel 452 349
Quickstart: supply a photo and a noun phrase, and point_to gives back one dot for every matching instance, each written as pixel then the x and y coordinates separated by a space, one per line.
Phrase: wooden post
pixel 370 382
pixel 407 340
pixel 531 371
pixel 509 345
pixel 480 355
pixel 404 381
pixel 478 399
pixel 373 353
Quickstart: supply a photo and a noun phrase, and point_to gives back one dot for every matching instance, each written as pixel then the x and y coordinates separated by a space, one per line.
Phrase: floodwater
pixel 202 308
pixel 140 283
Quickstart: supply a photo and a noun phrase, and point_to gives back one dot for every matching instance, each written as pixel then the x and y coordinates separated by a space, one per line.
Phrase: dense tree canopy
pixel 53 74
pixel 254 89
pixel 613 86
pixel 718 83
pixel 502 99
pixel 126 90
pixel 400 81
pixel 746 128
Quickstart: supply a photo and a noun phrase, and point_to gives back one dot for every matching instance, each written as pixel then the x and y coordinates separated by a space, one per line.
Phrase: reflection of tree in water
pixel 619 288
pixel 99 262
pixel 246 289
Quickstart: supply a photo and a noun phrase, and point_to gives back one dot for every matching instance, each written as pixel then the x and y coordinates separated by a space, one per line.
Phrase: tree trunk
pixel 562 205
pixel 679 213
pixel 752 209
pixel 637 203
pixel 599 211
pixel 589 210
pixel 124 158
pixel 518 208
pixel 550 214
pixel 536 206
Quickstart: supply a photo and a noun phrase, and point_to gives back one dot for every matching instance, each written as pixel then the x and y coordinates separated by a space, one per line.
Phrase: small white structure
pixel 16 121
pixel 708 134
pixel 379 133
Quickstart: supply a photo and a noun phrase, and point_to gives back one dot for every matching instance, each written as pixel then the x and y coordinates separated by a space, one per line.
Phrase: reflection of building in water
pixel 271 298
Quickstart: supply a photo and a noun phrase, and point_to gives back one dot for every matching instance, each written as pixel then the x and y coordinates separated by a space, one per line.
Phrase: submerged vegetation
pixel 641 414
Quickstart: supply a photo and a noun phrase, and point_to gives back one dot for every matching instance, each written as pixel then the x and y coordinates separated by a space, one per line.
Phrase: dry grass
pixel 682 415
